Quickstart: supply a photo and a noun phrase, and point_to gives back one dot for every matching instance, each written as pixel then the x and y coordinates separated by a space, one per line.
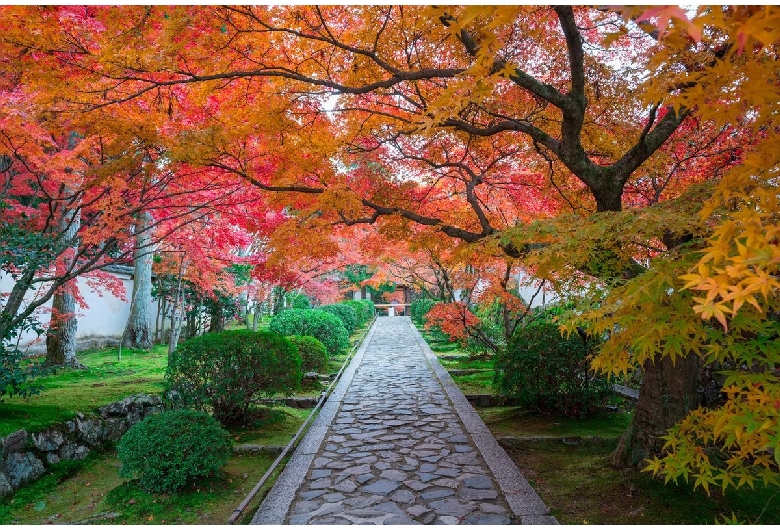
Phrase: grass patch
pixel 69 391
pixel 479 383
pixel 580 487
pixel 515 421
pixel 97 492
pixel 270 426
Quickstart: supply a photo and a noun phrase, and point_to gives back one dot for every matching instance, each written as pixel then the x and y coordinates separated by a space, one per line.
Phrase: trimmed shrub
pixel 226 371
pixel 368 309
pixel 345 313
pixel 360 311
pixel 550 372
pixel 420 308
pixel 167 451
pixel 314 355
pixel 324 326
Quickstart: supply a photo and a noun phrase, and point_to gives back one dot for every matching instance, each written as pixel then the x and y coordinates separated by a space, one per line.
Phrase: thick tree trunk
pixel 139 325
pixel 61 337
pixel 668 393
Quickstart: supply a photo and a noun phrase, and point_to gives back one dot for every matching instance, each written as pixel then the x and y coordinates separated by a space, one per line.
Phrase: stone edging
pixel 526 504
pixel 276 504
pixel 24 457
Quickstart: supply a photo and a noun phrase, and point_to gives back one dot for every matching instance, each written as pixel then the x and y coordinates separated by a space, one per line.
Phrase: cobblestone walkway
pixel 397 451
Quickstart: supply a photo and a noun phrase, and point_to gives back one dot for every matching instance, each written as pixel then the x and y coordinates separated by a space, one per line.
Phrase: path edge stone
pixel 274 508
pixel 523 500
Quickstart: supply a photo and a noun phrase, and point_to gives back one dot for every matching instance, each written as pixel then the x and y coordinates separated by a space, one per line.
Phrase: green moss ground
pixel 68 391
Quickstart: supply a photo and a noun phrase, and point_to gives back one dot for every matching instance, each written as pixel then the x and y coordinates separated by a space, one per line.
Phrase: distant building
pixel 100 324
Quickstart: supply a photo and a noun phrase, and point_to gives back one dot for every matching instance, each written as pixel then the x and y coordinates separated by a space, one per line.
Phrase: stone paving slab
pixel 398 443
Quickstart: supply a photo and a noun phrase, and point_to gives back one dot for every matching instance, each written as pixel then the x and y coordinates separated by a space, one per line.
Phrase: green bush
pixel 368 309
pixel 298 301
pixel 323 326
pixel 420 308
pixel 314 355
pixel 550 372
pixel 345 313
pixel 226 371
pixel 360 312
pixel 167 451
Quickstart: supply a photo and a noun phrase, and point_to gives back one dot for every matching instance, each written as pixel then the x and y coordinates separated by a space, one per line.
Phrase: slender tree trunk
pixel 139 328
pixel 176 312
pixel 61 336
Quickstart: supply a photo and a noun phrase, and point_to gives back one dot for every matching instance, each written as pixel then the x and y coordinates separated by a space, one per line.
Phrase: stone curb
pixel 526 504
pixel 274 508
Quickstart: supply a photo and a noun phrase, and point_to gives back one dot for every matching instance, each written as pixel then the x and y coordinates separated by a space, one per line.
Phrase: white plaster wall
pixel 102 321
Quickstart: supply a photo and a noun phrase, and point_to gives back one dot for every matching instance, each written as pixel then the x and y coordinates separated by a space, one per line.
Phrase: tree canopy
pixel 627 156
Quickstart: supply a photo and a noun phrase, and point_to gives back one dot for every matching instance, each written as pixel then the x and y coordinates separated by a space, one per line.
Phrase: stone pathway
pixel 397 443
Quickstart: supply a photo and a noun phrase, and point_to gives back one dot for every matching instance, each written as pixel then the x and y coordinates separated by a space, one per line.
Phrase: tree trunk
pixel 278 301
pixel 176 311
pixel 667 394
pixel 139 326
pixel 61 337
pixel 217 320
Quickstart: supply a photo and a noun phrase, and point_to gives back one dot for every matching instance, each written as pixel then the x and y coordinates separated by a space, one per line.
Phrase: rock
pixel 89 431
pixel 478 482
pixel 72 451
pixel 452 507
pixel 417 510
pixel 403 496
pixel 114 429
pixel 52 458
pixel 21 468
pixel 118 408
pixel 469 494
pixel 16 441
pixel 5 487
pixel 437 494
pixel 381 487
pixel 50 440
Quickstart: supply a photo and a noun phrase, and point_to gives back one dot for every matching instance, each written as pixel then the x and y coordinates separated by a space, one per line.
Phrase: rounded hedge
pixel 360 312
pixel 225 371
pixel 345 313
pixel 550 372
pixel 167 451
pixel 324 326
pixel 314 355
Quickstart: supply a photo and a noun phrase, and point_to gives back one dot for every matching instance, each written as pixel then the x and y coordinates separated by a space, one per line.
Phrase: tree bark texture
pixel 61 336
pixel 668 393
pixel 139 329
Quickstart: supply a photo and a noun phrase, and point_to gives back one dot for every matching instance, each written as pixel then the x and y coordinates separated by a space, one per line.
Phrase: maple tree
pixel 571 138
